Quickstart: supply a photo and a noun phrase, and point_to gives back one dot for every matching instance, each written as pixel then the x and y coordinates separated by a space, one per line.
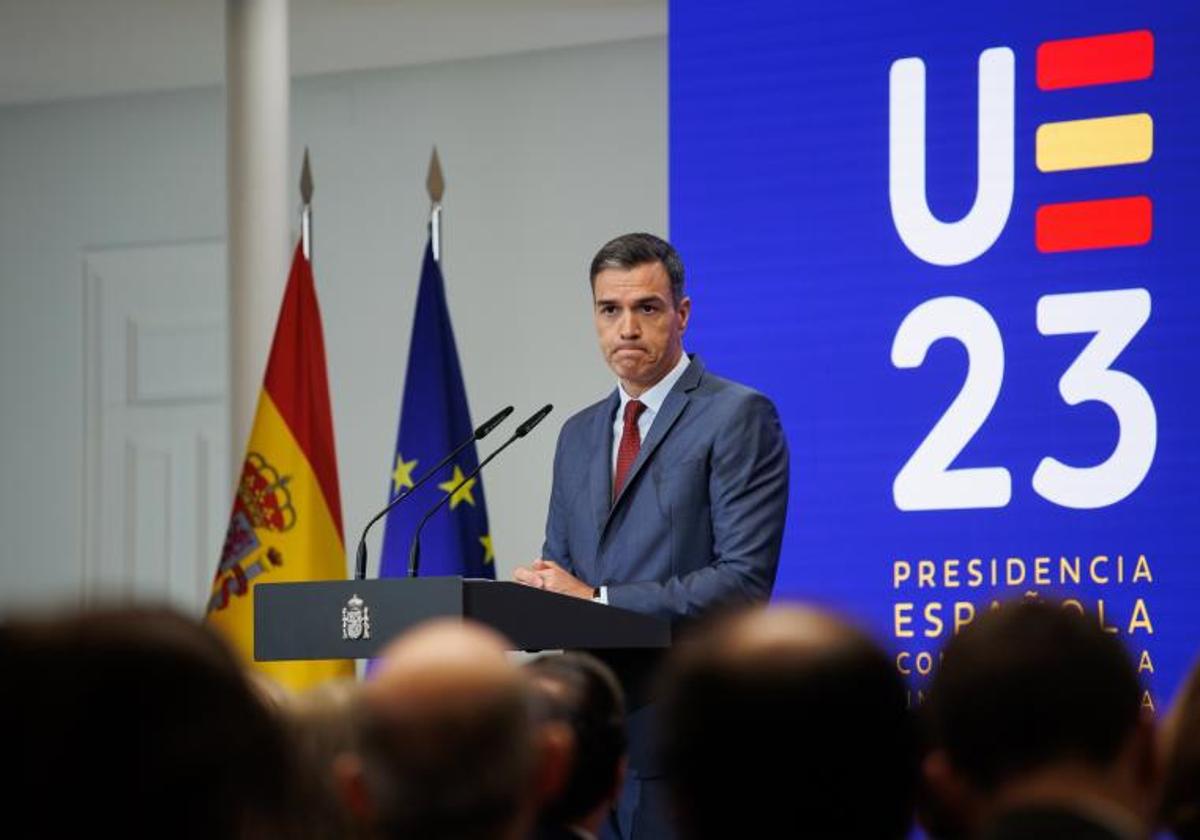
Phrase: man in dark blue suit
pixel 670 494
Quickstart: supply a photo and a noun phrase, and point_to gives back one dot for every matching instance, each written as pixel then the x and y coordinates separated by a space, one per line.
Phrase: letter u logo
pixel 935 241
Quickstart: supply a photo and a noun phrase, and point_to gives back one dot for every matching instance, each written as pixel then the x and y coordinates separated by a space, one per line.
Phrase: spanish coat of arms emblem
pixel 356 620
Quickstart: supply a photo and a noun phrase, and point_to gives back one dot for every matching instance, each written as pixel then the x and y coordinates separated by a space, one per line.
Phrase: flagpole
pixel 306 192
pixel 435 185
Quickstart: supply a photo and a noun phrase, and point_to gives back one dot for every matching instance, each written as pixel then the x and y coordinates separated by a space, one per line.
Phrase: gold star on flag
pixel 462 494
pixel 489 553
pixel 402 475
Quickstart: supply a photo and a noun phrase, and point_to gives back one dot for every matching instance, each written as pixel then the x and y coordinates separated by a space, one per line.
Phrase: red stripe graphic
pixel 1083 225
pixel 1098 60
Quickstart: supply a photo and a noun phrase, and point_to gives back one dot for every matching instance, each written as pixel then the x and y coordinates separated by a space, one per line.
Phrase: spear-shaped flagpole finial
pixel 306 184
pixel 435 185
pixel 306 193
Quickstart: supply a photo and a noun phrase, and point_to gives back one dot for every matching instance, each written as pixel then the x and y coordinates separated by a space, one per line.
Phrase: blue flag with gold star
pixel 434 419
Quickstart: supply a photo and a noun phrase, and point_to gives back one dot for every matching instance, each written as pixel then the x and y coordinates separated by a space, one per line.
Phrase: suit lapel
pixel 670 412
pixel 600 464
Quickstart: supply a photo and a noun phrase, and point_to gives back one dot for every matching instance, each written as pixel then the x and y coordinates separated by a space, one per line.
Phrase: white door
pixel 157 485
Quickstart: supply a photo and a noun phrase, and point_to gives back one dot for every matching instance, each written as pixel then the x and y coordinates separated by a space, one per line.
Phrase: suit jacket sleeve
pixel 748 488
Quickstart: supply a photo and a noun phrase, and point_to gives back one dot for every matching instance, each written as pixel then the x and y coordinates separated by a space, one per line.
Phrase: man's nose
pixel 630 326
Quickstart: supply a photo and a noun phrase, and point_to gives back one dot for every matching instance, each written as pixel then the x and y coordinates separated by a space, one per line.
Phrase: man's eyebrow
pixel 638 302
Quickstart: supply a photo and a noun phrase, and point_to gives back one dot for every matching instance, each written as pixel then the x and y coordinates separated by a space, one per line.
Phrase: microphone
pixel 414 551
pixel 360 566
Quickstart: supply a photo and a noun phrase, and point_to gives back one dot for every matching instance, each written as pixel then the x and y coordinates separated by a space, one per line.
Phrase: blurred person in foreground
pixel 582 694
pixel 1037 729
pixel 1180 812
pixel 447 746
pixel 139 721
pixel 324 724
pixel 801 692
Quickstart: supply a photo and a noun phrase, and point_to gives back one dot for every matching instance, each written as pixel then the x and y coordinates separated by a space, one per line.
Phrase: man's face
pixel 639 325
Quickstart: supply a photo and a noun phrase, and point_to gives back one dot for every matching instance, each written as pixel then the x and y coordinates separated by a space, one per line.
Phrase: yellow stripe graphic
pixel 1086 144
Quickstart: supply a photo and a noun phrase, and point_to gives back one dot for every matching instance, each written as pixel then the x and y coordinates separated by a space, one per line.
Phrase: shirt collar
pixel 656 395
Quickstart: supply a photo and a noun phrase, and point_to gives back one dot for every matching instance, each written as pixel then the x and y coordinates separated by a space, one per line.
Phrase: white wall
pixel 546 156
pixel 72 177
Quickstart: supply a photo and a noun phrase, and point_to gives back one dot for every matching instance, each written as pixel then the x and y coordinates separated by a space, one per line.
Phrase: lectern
pixel 352 619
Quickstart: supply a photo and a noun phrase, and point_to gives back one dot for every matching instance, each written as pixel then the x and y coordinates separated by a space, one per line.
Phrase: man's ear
pixel 685 312
pixel 1147 761
pixel 350 782
pixel 948 805
pixel 619 780
pixel 555 758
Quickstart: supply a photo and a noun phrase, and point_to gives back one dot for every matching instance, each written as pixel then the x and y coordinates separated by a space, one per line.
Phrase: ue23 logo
pixel 1114 317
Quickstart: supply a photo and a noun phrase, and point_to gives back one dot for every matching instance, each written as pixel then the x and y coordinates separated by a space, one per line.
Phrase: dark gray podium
pixel 352 619
pixel 317 620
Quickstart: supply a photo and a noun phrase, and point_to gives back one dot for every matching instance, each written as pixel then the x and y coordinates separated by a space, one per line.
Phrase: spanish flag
pixel 286 523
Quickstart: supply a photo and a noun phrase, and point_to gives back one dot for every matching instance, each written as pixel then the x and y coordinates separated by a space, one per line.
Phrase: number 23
pixel 926 481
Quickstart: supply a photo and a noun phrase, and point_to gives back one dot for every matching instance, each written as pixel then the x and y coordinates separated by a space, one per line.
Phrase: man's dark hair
pixel 144 720
pixel 1028 685
pixel 825 712
pixel 579 690
pixel 634 249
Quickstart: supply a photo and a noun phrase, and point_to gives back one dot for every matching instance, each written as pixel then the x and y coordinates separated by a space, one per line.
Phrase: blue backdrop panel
pixel 780 124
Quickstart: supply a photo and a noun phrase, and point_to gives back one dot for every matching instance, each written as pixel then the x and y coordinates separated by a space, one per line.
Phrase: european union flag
pixel 433 420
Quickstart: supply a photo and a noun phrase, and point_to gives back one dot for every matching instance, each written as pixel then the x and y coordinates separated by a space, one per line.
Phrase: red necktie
pixel 631 443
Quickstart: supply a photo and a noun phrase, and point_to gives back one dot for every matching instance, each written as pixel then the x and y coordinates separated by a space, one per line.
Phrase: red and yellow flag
pixel 286 523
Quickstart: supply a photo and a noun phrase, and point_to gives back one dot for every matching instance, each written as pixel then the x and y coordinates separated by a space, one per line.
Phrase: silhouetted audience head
pixel 1035 720
pixel 582 693
pixel 138 721
pixel 786 719
pixel 447 748
pixel 1181 751
pixel 324 725
pixel 939 818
